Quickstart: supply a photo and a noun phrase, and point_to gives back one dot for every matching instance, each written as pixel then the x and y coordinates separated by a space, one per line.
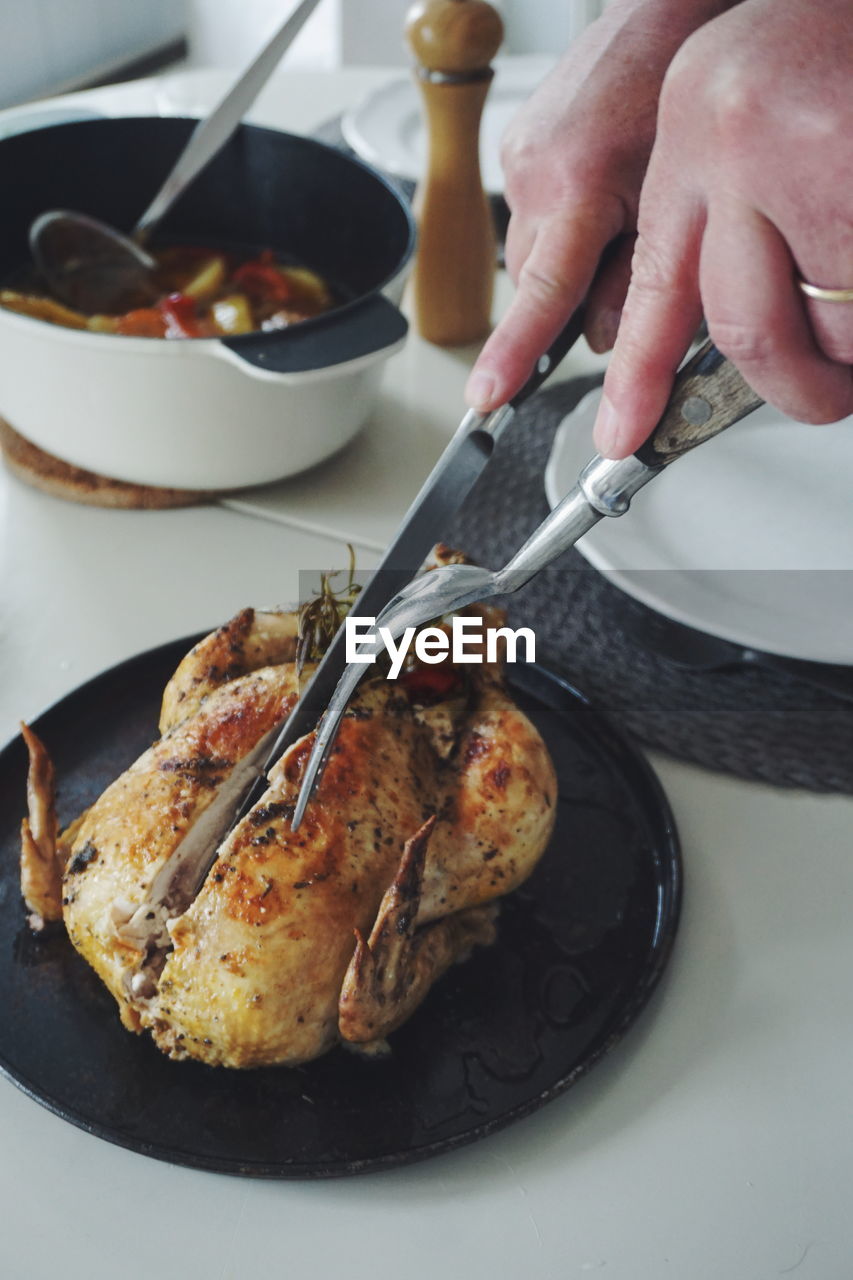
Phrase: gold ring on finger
pixel 820 294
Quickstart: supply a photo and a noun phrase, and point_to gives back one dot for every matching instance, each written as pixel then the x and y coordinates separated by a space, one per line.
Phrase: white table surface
pixel 716 1143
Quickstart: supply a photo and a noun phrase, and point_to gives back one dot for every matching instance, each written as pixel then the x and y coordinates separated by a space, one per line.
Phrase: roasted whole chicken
pixel 271 946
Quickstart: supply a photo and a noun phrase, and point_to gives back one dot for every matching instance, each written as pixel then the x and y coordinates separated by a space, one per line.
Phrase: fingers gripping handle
pixel 545 365
pixel 709 395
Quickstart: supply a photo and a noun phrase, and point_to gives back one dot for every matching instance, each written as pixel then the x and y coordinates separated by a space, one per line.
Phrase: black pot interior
pixel 265 189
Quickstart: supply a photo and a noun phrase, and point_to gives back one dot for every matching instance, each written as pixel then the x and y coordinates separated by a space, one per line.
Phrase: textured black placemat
pixel 750 722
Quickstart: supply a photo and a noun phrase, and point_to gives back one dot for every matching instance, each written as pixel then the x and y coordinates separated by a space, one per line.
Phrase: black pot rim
pixel 327 319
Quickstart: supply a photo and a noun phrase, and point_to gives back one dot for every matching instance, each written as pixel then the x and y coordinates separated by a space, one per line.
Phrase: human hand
pixel 748 186
pixel 574 160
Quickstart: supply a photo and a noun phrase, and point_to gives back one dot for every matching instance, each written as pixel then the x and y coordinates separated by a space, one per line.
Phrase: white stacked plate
pixel 750 537
pixel 387 128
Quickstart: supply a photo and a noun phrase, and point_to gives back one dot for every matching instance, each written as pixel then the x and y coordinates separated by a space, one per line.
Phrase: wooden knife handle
pixel 708 395
pixel 454 42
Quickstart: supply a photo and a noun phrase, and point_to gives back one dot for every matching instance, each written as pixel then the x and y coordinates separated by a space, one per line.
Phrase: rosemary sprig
pixel 320 618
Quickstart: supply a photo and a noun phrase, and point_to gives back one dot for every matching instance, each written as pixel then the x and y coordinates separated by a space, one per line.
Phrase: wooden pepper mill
pixel 454 41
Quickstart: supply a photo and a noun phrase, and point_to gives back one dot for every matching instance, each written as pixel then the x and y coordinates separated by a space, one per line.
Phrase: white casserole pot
pixel 206 413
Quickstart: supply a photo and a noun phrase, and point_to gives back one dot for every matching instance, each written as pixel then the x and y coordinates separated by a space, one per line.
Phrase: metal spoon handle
pixel 708 396
pixel 214 131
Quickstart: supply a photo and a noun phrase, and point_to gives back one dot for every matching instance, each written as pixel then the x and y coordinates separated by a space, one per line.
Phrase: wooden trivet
pixel 62 480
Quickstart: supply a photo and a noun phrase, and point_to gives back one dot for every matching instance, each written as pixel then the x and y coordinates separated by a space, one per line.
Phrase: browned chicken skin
pixel 272 946
pixel 41 873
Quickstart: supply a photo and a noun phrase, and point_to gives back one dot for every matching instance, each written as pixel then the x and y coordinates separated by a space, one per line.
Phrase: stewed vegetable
pixel 202 294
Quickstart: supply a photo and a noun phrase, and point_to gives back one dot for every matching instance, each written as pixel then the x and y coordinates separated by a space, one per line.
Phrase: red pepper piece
pixel 431 684
pixel 262 280
pixel 180 315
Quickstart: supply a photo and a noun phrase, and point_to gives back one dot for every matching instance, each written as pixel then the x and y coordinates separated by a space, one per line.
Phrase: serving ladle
pixel 94 268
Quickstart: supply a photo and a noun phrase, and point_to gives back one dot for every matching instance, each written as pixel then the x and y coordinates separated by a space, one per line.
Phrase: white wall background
pixel 227 32
pixel 49 45
pixel 46 45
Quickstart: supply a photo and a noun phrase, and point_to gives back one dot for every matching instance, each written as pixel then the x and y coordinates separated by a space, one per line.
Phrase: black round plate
pixel 580 948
